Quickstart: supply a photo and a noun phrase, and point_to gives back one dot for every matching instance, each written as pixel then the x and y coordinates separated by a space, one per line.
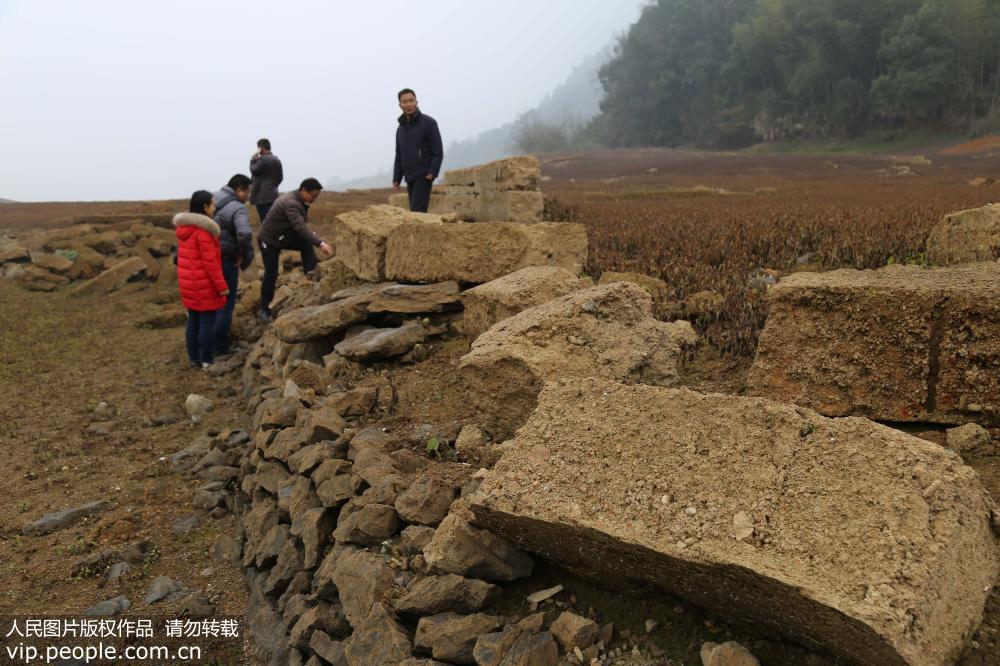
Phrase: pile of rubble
pixel 101 254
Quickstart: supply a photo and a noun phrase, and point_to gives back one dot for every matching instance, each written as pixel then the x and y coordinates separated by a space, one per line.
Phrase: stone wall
pixel 501 191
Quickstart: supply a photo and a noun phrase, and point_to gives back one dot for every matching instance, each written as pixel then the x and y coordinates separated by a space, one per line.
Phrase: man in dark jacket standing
pixel 419 152
pixel 286 228
pixel 236 244
pixel 265 167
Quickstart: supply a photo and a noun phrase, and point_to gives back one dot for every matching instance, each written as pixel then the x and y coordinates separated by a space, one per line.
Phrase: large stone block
pixel 400 200
pixel 523 172
pixel 513 173
pixel 482 251
pixel 319 321
pixel 656 287
pixel 517 206
pixel 12 251
pixel 359 237
pixel 504 297
pixel 501 191
pixel 114 278
pixel 606 331
pixel 965 237
pixel 844 535
pixel 901 343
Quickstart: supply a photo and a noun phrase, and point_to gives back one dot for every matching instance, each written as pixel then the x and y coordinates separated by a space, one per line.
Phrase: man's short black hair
pixel 239 182
pixel 264 143
pixel 405 91
pixel 310 185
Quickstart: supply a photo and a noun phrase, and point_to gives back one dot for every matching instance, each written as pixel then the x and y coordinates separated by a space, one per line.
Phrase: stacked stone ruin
pixel 100 253
pixel 501 191
pixel 845 536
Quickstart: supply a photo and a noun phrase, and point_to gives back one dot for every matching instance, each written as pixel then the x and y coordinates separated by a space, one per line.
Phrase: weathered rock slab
pixel 57 520
pixel 482 251
pixel 868 543
pixel 901 343
pixel 360 237
pixel 319 321
pixel 416 298
pixel 606 331
pixel 452 637
pixel 438 594
pixel 379 343
pixel 461 549
pixel 499 299
pixel 965 237
pixel 114 278
pixel 379 639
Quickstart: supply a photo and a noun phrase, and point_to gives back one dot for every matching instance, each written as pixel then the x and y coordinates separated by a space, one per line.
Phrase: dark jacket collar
pixel 414 120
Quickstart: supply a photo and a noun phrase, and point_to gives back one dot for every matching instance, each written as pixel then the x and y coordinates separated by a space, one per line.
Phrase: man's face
pixel 242 193
pixel 408 103
pixel 309 197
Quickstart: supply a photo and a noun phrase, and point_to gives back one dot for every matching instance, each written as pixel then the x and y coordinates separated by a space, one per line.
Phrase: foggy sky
pixel 123 100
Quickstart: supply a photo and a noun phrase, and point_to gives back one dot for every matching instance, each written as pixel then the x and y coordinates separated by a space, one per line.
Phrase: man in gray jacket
pixel 286 228
pixel 236 244
pixel 265 167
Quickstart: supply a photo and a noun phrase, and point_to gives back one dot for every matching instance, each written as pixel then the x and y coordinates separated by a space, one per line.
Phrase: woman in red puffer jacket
pixel 199 275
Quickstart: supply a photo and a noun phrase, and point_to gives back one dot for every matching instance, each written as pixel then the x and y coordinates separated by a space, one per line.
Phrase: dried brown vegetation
pixel 808 214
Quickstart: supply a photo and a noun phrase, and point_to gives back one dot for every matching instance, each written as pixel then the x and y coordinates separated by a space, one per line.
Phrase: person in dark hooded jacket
pixel 199 275
pixel 236 243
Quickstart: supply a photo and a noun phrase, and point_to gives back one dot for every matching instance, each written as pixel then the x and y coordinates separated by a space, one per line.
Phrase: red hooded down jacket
pixel 199 262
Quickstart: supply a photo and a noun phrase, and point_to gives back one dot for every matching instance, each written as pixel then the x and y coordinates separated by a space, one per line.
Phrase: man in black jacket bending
pixel 419 152
pixel 286 228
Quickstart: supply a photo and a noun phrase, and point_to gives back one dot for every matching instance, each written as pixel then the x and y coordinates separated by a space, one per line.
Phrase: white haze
pixel 122 100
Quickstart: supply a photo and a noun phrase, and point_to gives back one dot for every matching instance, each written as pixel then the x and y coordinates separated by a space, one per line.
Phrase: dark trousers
pixel 262 210
pixel 224 319
pixel 199 333
pixel 420 194
pixel 271 256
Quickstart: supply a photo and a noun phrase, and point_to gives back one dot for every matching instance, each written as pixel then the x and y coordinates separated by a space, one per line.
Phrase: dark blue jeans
pixel 199 335
pixel 262 210
pixel 420 194
pixel 224 318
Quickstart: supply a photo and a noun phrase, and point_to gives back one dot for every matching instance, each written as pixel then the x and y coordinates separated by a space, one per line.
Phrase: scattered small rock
pixel 542 595
pixel 197 406
pixel 109 608
pixel 117 570
pixel 727 654
pixel 161 588
pixel 195 606
pixel 51 522
pixel 185 525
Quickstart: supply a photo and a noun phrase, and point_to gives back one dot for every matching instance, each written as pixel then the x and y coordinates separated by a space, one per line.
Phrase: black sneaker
pixel 265 315
pixel 194 365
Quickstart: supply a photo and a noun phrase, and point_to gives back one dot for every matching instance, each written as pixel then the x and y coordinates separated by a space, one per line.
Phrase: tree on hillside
pixel 666 81
pixel 719 73
pixel 943 64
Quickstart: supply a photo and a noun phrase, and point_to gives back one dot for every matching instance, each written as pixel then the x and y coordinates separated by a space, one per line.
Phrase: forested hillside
pixel 726 73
